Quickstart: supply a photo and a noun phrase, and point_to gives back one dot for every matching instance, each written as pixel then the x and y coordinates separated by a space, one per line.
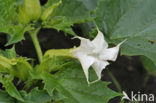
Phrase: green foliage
pixel 18 67
pixel 16 16
pixel 11 68
pixel 67 14
pixel 35 96
pixel 90 4
pixel 59 77
pixel 8 15
pixel 6 80
pixel 66 85
pixel 17 33
pixel 5 98
pixel 149 65
pixel 8 53
pixel 132 19
pixel 8 21
pixel 69 85
pixel 48 11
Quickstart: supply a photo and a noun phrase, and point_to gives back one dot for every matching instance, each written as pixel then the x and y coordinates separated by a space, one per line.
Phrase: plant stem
pixel 33 35
pixel 114 80
pixel 116 83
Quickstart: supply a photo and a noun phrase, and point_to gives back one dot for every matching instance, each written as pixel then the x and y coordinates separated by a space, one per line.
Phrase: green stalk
pixel 114 80
pixel 116 83
pixel 33 35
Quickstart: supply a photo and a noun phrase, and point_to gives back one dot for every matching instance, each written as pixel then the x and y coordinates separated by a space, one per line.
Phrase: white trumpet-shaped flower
pixel 96 54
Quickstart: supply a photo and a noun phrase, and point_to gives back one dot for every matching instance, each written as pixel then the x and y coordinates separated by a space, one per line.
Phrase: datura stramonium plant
pixel 95 53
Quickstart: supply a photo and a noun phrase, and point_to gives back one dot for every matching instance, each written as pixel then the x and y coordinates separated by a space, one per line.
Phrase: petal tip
pixel 122 42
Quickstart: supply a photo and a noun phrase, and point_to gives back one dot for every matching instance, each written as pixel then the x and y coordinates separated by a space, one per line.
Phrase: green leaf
pixel 8 14
pixel 5 98
pixel 8 53
pixel 89 30
pixel 132 19
pixel 10 88
pixel 8 21
pixel 70 86
pixel 35 96
pixel 16 34
pixel 10 68
pixel 139 46
pixel 67 14
pixel 148 65
pixel 90 4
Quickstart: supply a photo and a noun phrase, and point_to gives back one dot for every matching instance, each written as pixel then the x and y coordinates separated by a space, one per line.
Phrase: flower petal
pixel 110 53
pixel 99 42
pixel 86 62
pixel 98 66
pixel 85 46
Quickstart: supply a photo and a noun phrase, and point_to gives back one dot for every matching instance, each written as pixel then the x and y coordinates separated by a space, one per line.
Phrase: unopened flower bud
pixel 48 11
pixel 32 8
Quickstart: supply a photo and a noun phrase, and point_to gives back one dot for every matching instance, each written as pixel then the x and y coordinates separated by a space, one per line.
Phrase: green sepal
pixel 21 68
pixel 55 59
pixel 32 8
pixel 23 16
pixel 17 67
pixel 48 11
pixel 58 52
pixel 5 65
